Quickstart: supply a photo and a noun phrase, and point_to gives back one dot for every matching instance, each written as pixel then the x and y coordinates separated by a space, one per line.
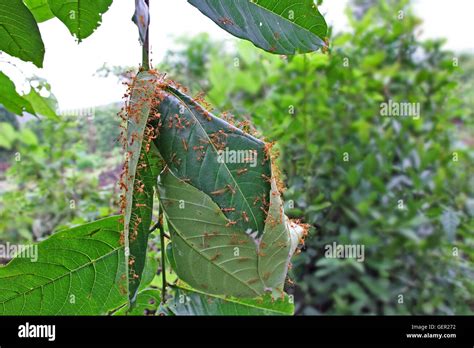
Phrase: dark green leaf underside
pixel 140 180
pixel 189 141
pixel 281 27
pixel 19 33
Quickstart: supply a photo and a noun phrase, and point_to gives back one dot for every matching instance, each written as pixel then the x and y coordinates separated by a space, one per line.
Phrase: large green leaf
pixel 188 301
pixel 19 33
pixel 141 172
pixel 189 141
pixel 282 27
pixel 216 258
pixel 80 271
pixel 10 98
pixel 40 9
pixel 81 17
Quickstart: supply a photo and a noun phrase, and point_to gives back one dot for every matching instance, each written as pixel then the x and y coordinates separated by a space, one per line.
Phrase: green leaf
pixel 142 170
pixel 80 271
pixel 10 98
pixel 281 27
pixel 40 9
pixel 187 301
pixel 220 259
pixel 41 106
pixel 19 33
pixel 81 17
pixel 195 145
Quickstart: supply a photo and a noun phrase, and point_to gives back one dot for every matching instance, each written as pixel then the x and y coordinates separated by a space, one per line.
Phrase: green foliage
pixel 8 135
pixel 191 144
pixel 19 34
pixel 348 167
pixel 207 259
pixel 81 17
pixel 189 59
pixel 268 229
pixel 75 272
pixel 398 186
pixel 45 152
pixel 10 98
pixel 246 239
pixel 284 27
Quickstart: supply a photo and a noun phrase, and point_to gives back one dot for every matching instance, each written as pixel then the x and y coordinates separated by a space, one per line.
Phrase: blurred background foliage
pixel 400 186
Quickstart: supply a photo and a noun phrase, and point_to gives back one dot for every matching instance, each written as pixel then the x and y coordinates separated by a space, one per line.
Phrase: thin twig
pixel 155 227
pixel 163 263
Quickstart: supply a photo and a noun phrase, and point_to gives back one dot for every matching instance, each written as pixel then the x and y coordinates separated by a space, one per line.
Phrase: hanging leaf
pixel 217 158
pixel 80 271
pixel 139 178
pixel 41 106
pixel 216 258
pixel 19 33
pixel 281 27
pixel 187 301
pixel 40 9
pixel 81 17
pixel 10 98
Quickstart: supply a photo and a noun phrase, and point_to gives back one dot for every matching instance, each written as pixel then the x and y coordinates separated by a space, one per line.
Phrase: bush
pixel 58 176
pixel 399 186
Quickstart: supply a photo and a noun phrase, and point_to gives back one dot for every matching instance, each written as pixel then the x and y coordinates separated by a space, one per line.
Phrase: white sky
pixel 70 67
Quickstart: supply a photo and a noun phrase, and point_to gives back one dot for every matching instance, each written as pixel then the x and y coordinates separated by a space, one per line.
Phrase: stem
pixel 163 262
pixel 156 226
pixel 146 46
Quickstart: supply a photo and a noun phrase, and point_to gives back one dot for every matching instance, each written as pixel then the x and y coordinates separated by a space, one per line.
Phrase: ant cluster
pixel 165 119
